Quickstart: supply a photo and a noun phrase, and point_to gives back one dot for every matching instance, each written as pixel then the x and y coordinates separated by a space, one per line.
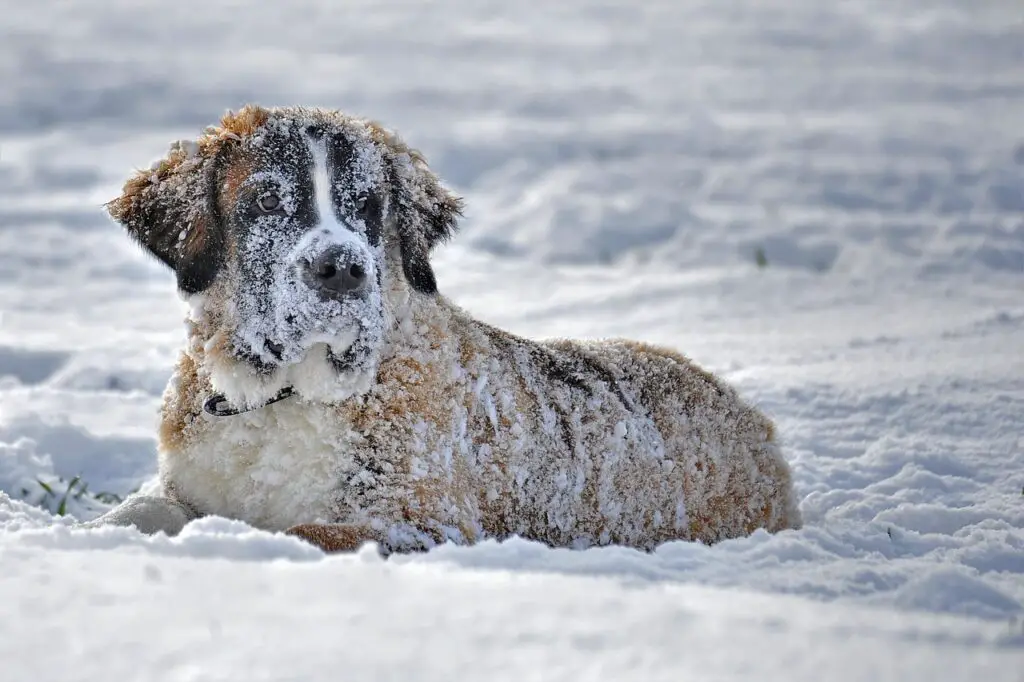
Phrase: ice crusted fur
pixel 413 424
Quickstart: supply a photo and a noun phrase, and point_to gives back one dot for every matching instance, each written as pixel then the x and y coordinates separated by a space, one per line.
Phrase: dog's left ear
pixel 427 214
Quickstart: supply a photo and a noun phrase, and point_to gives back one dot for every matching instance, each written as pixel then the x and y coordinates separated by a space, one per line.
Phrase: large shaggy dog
pixel 328 390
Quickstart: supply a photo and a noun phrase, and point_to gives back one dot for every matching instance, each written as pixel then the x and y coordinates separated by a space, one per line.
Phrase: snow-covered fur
pixel 412 423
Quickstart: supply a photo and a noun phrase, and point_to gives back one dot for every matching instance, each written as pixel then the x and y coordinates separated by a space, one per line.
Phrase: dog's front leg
pixel 335 537
pixel 148 514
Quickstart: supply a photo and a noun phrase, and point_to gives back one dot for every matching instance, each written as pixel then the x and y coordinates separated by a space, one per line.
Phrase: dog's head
pixel 293 232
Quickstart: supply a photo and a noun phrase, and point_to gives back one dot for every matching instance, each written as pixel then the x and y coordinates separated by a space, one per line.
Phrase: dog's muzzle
pixel 339 272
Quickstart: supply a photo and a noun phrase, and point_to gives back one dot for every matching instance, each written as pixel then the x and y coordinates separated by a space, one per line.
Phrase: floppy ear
pixel 427 214
pixel 172 211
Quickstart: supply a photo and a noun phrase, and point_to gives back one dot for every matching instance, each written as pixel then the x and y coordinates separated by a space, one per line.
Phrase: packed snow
pixel 821 201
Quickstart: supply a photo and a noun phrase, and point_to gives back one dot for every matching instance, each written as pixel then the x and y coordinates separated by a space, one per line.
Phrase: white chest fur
pixel 273 467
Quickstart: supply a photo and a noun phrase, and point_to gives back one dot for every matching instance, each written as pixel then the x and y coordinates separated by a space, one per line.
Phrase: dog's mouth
pixel 308 378
pixel 340 354
pixel 341 362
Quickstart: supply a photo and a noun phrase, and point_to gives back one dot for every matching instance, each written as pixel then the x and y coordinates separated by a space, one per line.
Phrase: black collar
pixel 218 406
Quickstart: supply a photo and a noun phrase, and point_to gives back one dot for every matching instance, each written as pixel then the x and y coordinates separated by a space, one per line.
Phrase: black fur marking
pixel 554 364
pixel 557 367
pixel 339 159
pixel 196 271
pixel 421 226
pixel 374 219
pixel 549 365
pixel 345 362
pixel 575 368
pixel 578 369
pixel 357 482
pixel 585 360
pixel 416 266
pixel 566 426
pixel 256 362
pixel 246 221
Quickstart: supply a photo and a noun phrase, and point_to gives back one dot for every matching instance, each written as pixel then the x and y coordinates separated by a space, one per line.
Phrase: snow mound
pixel 193 606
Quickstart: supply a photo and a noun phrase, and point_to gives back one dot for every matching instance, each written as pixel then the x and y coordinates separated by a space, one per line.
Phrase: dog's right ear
pixel 172 211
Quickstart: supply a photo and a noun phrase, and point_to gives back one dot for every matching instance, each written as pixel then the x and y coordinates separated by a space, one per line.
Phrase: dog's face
pixel 293 232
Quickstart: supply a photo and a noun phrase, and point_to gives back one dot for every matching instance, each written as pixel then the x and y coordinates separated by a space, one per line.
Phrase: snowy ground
pixel 626 166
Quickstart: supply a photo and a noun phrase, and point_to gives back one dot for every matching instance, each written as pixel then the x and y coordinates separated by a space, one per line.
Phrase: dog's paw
pixel 148 514
pixel 334 537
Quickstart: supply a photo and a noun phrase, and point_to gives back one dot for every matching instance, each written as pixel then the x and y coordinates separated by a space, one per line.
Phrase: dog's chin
pixel 330 370
pixel 328 376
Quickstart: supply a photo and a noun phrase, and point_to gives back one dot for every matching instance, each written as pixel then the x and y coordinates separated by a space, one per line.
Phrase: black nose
pixel 337 272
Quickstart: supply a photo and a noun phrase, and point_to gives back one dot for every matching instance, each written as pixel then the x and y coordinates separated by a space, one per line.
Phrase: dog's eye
pixel 362 205
pixel 269 202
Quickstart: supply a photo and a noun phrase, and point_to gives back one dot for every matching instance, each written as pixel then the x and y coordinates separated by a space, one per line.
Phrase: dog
pixel 327 390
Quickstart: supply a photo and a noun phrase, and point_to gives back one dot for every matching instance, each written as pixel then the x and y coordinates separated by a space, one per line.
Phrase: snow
pixel 625 166
pixel 226 615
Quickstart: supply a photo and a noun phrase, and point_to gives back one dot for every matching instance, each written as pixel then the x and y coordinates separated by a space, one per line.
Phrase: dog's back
pixel 734 476
pixel 615 442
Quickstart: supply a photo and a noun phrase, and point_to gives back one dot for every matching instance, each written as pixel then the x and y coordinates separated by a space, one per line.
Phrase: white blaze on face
pixel 329 230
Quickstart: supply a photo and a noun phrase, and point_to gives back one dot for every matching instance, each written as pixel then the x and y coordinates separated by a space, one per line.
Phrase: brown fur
pixel 232 126
pixel 335 537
